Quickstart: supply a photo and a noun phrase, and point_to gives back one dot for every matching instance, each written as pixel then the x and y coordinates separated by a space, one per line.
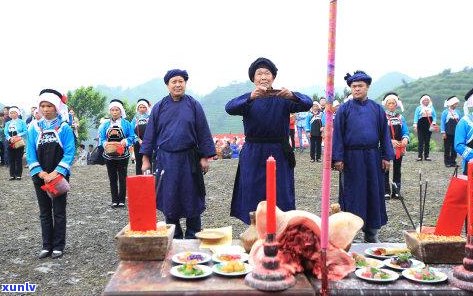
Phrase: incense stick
pixel 423 206
pixel 401 198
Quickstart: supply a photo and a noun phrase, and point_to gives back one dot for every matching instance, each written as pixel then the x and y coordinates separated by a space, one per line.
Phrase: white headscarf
pixel 117 103
pixel 451 101
pixel 395 98
pixel 54 97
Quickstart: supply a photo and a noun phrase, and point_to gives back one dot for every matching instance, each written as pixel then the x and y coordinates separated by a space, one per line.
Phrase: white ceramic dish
pixel 392 275
pixel 179 257
pixel 440 276
pixel 369 252
pixel 216 269
pixel 415 264
pixel 206 269
pixel 371 262
pixel 243 257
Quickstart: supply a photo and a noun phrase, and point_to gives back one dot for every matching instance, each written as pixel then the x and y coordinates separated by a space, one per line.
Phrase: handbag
pixel 17 142
pixel 114 149
pixel 454 208
pixel 58 186
pixel 433 127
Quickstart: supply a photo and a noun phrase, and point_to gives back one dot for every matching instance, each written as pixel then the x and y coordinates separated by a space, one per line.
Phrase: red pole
pixel 328 130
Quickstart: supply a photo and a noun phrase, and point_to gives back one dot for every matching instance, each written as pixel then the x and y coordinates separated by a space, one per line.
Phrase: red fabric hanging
pixel 454 209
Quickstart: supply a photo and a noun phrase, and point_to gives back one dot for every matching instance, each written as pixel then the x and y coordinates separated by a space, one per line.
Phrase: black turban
pixel 262 63
pixel 175 72
pixel 469 94
pixel 357 76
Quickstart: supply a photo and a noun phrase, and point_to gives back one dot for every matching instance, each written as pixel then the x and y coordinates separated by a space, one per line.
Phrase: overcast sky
pixel 68 44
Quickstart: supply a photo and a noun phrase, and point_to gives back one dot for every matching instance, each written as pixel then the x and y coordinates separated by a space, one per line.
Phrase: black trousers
pixel 292 134
pixel 16 161
pixel 423 134
pixel 449 154
pixel 396 177
pixel 193 225
pixel 315 147
pixel 138 158
pixel 52 215
pixel 117 172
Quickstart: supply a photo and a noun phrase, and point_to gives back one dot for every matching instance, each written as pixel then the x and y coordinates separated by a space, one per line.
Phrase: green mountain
pixel 439 87
pixel 387 82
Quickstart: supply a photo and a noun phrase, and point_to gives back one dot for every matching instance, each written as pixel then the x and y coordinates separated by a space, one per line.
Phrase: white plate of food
pixel 362 261
pixel 384 253
pixel 226 257
pixel 232 268
pixel 377 275
pixel 403 265
pixel 196 257
pixel 426 275
pixel 191 271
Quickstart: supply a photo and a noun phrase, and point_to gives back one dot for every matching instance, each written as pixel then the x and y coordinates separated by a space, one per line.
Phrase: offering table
pixel 154 278
pixel 352 285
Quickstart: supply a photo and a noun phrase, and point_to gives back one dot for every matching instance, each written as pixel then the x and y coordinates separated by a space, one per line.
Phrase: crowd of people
pixel 172 140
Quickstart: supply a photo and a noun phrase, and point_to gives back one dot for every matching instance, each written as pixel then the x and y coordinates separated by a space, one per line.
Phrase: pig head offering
pixel 298 233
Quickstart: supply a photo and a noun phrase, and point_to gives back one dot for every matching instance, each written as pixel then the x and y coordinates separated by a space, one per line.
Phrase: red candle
pixel 141 202
pixel 270 195
pixel 470 197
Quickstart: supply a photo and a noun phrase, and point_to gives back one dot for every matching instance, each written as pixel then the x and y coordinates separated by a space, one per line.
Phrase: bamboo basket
pixel 435 252
pixel 144 248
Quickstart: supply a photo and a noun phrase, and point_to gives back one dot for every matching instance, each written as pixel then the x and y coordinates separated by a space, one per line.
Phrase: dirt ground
pixel 90 256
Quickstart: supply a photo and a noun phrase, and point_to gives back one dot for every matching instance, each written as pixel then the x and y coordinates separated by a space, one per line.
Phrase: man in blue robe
pixel 362 150
pixel 265 114
pixel 179 133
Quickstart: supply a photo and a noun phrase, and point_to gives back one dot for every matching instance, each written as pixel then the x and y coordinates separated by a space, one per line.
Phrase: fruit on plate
pixel 374 273
pixel 360 260
pixel 402 260
pixel 424 274
pixel 232 266
pixel 228 257
pixel 190 269
pixel 191 257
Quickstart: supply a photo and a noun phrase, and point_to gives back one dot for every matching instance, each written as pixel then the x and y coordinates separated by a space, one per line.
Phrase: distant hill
pixel 439 87
pixel 387 82
pixel 214 108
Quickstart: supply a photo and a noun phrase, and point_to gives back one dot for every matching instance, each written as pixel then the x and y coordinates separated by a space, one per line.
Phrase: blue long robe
pixel 361 140
pixel 264 118
pixel 179 133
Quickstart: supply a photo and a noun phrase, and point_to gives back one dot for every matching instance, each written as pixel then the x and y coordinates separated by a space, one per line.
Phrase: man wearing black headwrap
pixel 265 114
pixel 178 131
pixel 362 150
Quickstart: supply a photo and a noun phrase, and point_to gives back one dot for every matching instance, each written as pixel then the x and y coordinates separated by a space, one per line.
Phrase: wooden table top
pixel 154 278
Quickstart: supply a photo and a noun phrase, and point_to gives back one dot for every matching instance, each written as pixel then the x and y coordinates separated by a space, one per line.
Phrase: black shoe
pixel 318 160
pixel 43 254
pixel 56 254
pixel 11 179
pixel 18 178
pixel 387 196
pixel 114 205
pixel 428 159
pixel 121 205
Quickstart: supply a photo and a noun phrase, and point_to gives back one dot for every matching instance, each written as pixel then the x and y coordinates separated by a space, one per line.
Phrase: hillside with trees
pixel 439 87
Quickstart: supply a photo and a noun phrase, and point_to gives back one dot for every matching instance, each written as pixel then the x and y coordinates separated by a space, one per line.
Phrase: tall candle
pixel 470 197
pixel 270 195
